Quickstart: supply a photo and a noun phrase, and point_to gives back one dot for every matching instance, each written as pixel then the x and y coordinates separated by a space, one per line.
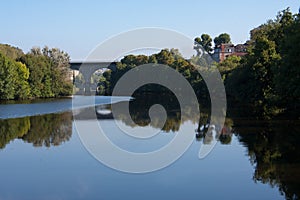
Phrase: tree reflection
pixel 207 132
pixel 45 130
pixel 139 111
pixel 13 128
pixel 273 148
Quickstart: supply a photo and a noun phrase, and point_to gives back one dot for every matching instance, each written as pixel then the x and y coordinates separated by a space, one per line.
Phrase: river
pixel 42 155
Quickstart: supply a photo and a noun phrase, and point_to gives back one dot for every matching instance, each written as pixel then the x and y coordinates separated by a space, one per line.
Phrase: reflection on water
pixel 274 150
pixel 44 130
pixel 207 132
pixel 139 112
pixel 272 146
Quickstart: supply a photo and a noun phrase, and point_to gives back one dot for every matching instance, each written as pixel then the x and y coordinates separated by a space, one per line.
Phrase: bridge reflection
pixel 101 112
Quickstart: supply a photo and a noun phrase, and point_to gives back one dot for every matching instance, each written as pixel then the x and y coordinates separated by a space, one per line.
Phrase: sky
pixel 79 26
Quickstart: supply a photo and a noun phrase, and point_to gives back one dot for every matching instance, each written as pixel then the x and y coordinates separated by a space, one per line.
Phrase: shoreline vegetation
pixel 41 73
pixel 266 79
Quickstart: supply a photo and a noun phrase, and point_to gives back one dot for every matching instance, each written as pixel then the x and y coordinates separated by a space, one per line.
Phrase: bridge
pixel 88 68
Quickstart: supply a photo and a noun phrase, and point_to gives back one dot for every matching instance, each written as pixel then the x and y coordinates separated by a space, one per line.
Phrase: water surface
pixel 42 157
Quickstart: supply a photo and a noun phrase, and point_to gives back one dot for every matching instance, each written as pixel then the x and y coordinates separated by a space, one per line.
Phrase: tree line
pixel 266 79
pixel 41 73
pixel 169 57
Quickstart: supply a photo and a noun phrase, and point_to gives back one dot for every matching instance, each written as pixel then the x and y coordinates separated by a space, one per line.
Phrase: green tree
pixel 8 78
pixel 228 65
pixel 40 74
pixel 60 71
pixel 165 57
pixel 268 77
pixel 22 85
pixel 171 57
pixel 13 79
pixel 10 51
pixel 287 75
pixel 252 82
pixel 205 41
pixel 274 30
pixel 223 38
pixel 50 75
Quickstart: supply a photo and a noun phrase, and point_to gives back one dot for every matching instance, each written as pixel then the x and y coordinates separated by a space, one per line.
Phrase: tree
pixel 286 79
pixel 165 57
pixel 8 75
pixel 22 85
pixel 10 51
pixel 205 41
pixel 223 38
pixel 268 77
pixel 252 82
pixel 170 57
pixel 60 71
pixel 50 75
pixel 13 79
pixel 228 65
pixel 39 78
pixel 275 30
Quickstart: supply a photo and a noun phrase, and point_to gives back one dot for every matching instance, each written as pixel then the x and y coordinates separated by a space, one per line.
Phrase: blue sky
pixel 78 26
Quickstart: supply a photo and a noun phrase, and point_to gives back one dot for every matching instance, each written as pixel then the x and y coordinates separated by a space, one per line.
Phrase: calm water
pixel 42 157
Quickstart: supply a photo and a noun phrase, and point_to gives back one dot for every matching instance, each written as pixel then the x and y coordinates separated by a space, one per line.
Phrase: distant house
pixel 222 51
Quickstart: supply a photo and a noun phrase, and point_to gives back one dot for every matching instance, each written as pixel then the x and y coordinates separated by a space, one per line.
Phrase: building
pixel 222 51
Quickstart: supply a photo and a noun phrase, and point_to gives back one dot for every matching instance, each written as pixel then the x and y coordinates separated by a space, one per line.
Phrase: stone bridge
pixel 88 68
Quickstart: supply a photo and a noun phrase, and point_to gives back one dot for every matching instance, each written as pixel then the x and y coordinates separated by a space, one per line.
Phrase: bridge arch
pixel 88 68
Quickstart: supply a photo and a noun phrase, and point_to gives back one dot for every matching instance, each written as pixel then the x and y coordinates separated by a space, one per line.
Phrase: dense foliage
pixel 10 51
pixel 37 74
pixel 172 58
pixel 223 38
pixel 268 77
pixel 205 41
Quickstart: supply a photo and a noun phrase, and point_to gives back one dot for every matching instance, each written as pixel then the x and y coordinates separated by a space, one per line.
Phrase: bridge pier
pixel 87 88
